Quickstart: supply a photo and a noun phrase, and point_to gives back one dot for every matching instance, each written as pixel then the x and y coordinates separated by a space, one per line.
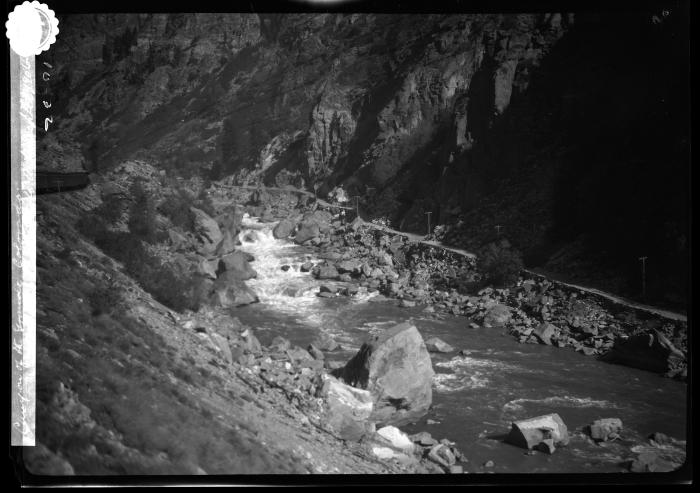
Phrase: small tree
pixel 500 264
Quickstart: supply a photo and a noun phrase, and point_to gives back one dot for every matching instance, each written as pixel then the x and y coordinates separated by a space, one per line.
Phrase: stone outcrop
pixel 396 368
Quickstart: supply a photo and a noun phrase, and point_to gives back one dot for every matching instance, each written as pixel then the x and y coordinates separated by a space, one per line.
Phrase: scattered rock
pixel 423 439
pixel 456 470
pixel 285 268
pixel 436 345
pixel 442 455
pixel 279 344
pixel 602 430
pixel 315 352
pixel 397 438
pixel 408 303
pixel 283 229
pixel 347 409
pixel 306 267
pixel 496 316
pixel 229 291
pixel 395 367
pixel 237 266
pixel 324 271
pixel 308 229
pixel 529 433
pixel 545 332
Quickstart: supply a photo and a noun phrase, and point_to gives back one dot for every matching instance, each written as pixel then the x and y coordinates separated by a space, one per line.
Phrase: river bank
pixel 240 385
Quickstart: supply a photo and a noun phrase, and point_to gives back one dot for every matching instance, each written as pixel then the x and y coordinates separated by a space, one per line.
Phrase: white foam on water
pixel 462 363
pixel 290 291
pixel 567 401
pixel 452 382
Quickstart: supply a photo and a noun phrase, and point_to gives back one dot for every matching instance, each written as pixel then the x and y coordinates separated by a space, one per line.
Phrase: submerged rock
pixel 602 430
pixel 395 367
pixel 530 433
pixel 436 345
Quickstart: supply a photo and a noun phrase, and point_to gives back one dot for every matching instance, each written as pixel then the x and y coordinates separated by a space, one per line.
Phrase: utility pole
pixel 58 182
pixel 498 229
pixel 357 205
pixel 428 214
pixel 644 276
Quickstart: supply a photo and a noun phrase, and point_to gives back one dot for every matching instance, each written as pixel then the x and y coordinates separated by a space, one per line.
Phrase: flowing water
pixel 476 395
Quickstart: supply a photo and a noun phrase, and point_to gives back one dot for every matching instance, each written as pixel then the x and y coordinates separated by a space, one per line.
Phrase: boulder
pixel 545 332
pixel 206 229
pixel 324 271
pixel 651 351
pixel 206 268
pixel 436 345
pixel 229 291
pixel 442 455
pixel 325 342
pixel 231 221
pixel 306 267
pixel 236 266
pixel 315 352
pixel 347 409
pixel 530 433
pixel 602 430
pixel 279 344
pixel 396 368
pixel 496 316
pixel 283 229
pixel 398 439
pixel 250 343
pixel 221 343
pixel 226 245
pixel 353 267
pixel 308 229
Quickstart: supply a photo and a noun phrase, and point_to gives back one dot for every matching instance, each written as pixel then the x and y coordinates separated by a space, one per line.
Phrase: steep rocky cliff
pixel 524 121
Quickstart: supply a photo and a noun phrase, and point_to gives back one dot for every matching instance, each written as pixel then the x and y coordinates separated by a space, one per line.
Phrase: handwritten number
pixel 46 105
pixel 46 123
pixel 45 76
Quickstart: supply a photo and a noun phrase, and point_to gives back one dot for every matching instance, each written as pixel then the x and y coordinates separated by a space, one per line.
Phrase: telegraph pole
pixel 428 214
pixel 498 229
pixel 644 276
pixel 357 205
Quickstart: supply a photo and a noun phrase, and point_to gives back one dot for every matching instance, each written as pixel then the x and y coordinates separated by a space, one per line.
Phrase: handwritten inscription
pixel 46 100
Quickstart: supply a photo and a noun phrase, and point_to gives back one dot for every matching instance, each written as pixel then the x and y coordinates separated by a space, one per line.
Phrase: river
pixel 478 394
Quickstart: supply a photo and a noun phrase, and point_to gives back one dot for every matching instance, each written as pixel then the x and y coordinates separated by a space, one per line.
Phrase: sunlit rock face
pixel 328 98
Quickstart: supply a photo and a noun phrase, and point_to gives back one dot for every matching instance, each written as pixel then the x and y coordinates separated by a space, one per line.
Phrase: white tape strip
pixel 23 220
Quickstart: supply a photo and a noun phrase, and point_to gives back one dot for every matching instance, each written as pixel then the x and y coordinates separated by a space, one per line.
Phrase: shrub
pixel 177 208
pixel 142 220
pixel 105 298
pixel 499 264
